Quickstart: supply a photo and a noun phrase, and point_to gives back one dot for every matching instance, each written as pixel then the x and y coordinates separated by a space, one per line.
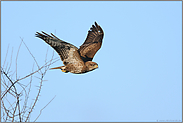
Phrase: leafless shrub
pixel 16 105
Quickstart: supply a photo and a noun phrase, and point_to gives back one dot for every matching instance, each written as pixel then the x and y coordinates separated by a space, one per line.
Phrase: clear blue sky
pixel 140 62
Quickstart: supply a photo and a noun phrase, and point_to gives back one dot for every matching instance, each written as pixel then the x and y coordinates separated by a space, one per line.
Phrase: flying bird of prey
pixel 76 60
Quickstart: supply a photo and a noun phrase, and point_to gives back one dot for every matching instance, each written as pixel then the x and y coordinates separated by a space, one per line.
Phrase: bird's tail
pixel 61 67
pixel 56 68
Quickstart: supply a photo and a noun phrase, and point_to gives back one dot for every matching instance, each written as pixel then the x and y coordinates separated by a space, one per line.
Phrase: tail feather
pixel 62 69
pixel 56 68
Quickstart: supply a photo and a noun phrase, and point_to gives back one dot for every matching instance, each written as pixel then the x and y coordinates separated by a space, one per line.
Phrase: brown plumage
pixel 76 60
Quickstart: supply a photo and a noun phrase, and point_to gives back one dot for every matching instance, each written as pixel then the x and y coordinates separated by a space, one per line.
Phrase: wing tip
pixel 98 27
pixel 96 23
pixel 42 35
pixel 38 34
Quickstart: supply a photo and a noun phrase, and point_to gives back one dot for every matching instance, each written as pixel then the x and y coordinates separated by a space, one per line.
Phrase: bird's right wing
pixel 92 43
pixel 67 52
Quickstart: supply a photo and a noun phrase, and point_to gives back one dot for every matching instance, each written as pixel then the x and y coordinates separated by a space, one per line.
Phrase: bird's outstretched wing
pixel 67 52
pixel 92 43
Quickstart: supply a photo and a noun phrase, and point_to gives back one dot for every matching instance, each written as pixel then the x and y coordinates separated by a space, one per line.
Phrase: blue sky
pixel 140 62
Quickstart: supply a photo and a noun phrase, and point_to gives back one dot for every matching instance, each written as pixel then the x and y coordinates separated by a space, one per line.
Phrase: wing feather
pixel 68 53
pixel 92 43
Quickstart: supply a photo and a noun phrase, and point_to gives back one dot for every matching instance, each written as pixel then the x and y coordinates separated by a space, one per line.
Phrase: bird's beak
pixel 95 66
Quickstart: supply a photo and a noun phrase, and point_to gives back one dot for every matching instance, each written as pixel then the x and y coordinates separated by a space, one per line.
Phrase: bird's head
pixel 91 65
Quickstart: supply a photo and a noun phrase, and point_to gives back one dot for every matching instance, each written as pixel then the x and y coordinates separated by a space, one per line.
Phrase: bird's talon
pixel 64 71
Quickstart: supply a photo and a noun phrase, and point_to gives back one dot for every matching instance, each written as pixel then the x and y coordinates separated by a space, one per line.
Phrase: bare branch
pixel 17 58
pixel 10 61
pixel 26 76
pixel 6 55
pixel 31 54
pixel 32 107
pixel 17 109
pixel 44 108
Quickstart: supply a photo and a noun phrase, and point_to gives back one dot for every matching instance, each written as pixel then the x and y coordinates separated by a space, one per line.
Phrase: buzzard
pixel 76 60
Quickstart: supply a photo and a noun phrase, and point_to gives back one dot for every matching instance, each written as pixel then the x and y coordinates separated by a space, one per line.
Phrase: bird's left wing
pixel 67 52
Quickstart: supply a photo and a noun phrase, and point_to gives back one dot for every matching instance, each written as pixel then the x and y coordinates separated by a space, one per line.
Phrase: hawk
pixel 76 60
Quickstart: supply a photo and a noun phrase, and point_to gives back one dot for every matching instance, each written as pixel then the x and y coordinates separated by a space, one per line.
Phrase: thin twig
pixel 25 77
pixel 6 55
pixel 10 61
pixel 32 107
pixel 44 108
pixel 31 54
pixel 19 108
pixel 13 111
pixel 17 58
